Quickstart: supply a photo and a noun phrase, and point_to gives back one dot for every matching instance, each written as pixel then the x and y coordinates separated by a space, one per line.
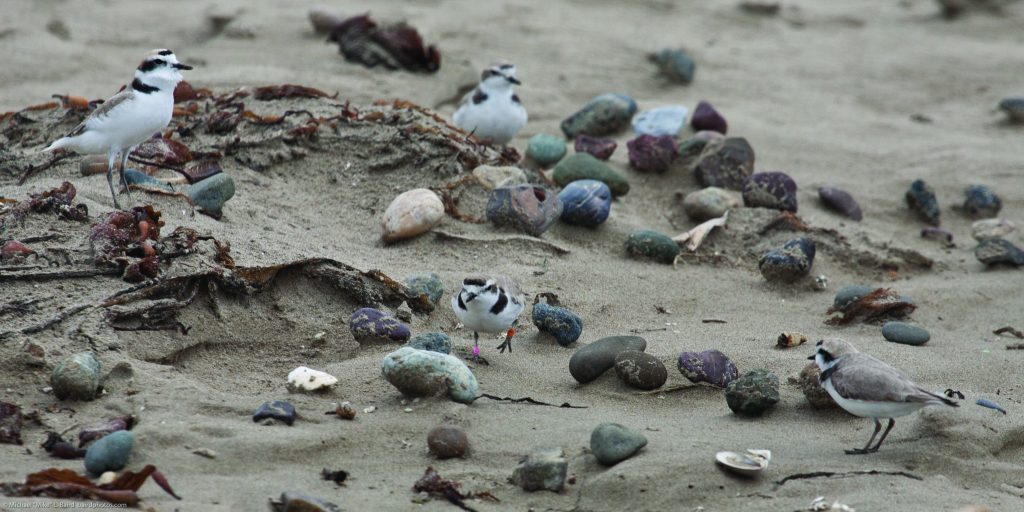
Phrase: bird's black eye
pixel 159 62
pixel 491 288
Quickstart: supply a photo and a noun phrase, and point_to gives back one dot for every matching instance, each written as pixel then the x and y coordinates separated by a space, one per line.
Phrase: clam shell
pixel 307 379
pixel 747 464
pixel 412 213
pixel 791 339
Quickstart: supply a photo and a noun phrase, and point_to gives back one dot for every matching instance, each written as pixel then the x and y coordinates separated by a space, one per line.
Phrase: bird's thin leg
pixel 110 177
pixel 508 341
pixel 476 344
pixel 124 162
pixel 866 449
pixel 892 422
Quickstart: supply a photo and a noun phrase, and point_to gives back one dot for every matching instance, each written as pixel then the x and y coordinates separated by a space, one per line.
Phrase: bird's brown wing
pixel 101 112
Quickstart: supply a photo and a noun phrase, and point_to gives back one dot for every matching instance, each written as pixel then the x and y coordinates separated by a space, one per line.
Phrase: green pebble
pixel 546 149
pixel 211 193
pixel 76 378
pixel 583 166
pixel 645 243
pixel 753 393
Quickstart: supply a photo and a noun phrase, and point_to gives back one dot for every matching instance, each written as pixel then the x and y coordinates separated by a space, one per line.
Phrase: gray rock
pixel 612 443
pixel 447 441
pixel 211 193
pixel 424 373
pixel 77 377
pixel 709 203
pixel 110 453
pixel 640 369
pixel 593 359
pixel 999 251
pixel 545 468
pixel 851 293
pixel 753 393
pixel 432 341
pixel 900 332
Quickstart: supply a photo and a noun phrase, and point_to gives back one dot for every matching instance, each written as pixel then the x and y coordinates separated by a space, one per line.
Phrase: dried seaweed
pixel 93 432
pixel 58 200
pixel 11 421
pixel 276 92
pixel 397 46
pixel 163 150
pixel 124 239
pixel 56 446
pixel 879 304
pixel 65 483
pixel 432 483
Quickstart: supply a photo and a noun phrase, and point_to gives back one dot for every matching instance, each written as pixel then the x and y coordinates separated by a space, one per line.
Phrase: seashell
pixel 921 199
pixel 1014 108
pixel 791 339
pixel 753 393
pixel 841 201
pixel 447 441
pixel 645 243
pixel 412 213
pixel 601 149
pixel 649 153
pixel 770 190
pixel 810 383
pixel 323 21
pixel 998 250
pixel 603 115
pixel 584 166
pixel 709 367
pixel 492 177
pixel 675 65
pixel 981 202
pixel 304 379
pixel 561 323
pixel 705 117
pixel 210 194
pixel 92 164
pixel 694 237
pixel 545 149
pixel 524 207
pixel 726 164
pixel 709 203
pixel 586 203
pixel 991 228
pixel 788 263
pixel 750 464
pixel 660 121
pixel 278 410
pixel 14 249
pixel 370 325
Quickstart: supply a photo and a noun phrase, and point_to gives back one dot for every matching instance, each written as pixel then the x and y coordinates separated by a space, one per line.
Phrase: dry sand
pixel 825 91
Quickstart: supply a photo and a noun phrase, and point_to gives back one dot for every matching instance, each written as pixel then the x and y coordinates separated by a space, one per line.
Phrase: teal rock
pixel 432 341
pixel 675 65
pixel 753 393
pixel 428 284
pixel 546 149
pixel 640 370
pixel 141 179
pixel 660 121
pixel 419 373
pixel 77 377
pixel 604 115
pixel 612 443
pixel 564 325
pixel 593 359
pixel 110 453
pixel 211 193
pixel 900 332
pixel 652 245
pixel 849 294
pixel 583 166
pixel 544 469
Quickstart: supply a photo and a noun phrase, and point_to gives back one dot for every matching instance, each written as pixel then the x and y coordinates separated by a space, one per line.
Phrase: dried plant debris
pixel 397 46
pixel 880 304
pixel 96 431
pixel 276 92
pixel 125 239
pixel 65 483
pixel 57 447
pixel 11 421
pixel 433 484
pixel 57 200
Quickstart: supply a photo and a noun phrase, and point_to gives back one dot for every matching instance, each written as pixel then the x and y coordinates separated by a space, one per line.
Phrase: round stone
pixel 640 370
pixel 839 200
pixel 593 359
pixel 612 443
pixel 420 373
pixel 900 332
pixel 211 193
pixel 545 149
pixel 110 453
pixel 770 190
pixel 709 203
pixel 649 153
pixel 652 245
pixel 370 325
pixel 583 166
pixel 709 367
pixel 447 441
pixel 850 293
pixel 788 263
pixel 753 393
pixel 980 202
pixel 76 378
pixel 660 121
pixel 603 115
pixel 586 203
pixel 564 325
pixel 725 163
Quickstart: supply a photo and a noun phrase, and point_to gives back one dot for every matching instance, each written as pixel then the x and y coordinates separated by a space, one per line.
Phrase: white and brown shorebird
pixel 130 116
pixel 492 111
pixel 489 305
pixel 865 386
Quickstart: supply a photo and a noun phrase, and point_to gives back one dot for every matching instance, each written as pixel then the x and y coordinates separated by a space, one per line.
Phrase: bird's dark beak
pixel 513 80
pixel 812 357
pixel 470 297
pixel 182 66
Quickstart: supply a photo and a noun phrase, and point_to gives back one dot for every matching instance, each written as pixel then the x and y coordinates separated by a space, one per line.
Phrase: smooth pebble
pixel 586 203
pixel 545 149
pixel 705 117
pixel 370 325
pixel 904 333
pixel 593 359
pixel 76 378
pixel 561 323
pixel 770 190
pixel 649 153
pixel 604 115
pixel 612 443
pixel 412 213
pixel 660 121
pixel 709 203
pixel 647 244
pixel 640 370
pixel 583 166
pixel 421 373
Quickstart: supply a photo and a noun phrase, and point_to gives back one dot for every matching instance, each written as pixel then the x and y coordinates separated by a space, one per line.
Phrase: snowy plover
pixel 130 116
pixel 492 111
pixel 869 388
pixel 489 305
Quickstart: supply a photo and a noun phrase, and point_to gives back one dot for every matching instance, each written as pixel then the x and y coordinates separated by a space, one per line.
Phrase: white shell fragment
pixel 304 379
pixel 747 464
pixel 106 478
pixel 412 213
pixel 694 237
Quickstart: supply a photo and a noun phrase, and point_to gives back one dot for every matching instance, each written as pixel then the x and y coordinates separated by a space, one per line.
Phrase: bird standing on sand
pixel 492 111
pixel 130 116
pixel 489 305
pixel 869 388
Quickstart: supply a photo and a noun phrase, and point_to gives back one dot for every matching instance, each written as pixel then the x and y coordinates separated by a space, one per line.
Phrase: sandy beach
pixel 866 96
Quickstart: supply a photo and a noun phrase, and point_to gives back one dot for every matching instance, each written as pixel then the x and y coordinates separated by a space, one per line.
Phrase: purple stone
pixel 770 190
pixel 710 366
pixel 840 201
pixel 602 149
pixel 370 325
pixel 648 153
pixel 524 207
pixel 705 117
